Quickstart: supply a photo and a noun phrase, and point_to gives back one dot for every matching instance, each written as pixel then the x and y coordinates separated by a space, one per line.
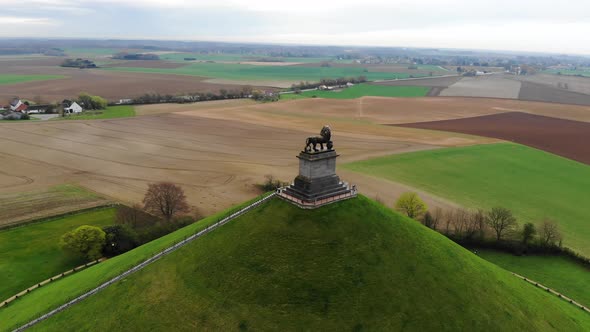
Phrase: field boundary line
pixel 26 222
pixel 147 262
pixel 554 292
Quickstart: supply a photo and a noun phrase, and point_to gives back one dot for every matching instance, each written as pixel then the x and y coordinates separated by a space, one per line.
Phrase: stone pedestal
pixel 317 181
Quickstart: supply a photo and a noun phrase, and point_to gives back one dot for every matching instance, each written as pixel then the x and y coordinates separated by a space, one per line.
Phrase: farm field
pixel 216 151
pixel 532 183
pixel 490 86
pixel 293 74
pixel 580 72
pixel 220 279
pixel 566 138
pixel 546 93
pixel 108 84
pixel 30 254
pixel 14 79
pixel 438 82
pixel 111 112
pixel 239 58
pixel 17 207
pixel 563 82
pixel 557 272
pixel 361 90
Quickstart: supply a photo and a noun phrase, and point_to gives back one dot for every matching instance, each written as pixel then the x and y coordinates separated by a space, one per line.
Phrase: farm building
pixel 36 109
pixel 72 107
pixel 18 106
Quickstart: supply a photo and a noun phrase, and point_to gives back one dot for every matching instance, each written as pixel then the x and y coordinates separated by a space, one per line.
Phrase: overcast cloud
pixel 527 25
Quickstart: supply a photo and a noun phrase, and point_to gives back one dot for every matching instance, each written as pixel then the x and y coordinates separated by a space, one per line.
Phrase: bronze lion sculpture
pixel 324 138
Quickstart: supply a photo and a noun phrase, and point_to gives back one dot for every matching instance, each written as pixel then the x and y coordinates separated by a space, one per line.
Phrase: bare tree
pixel 479 220
pixel 500 220
pixel 448 219
pixel 549 233
pixel 165 199
pixel 133 216
pixel 460 221
pixel 437 217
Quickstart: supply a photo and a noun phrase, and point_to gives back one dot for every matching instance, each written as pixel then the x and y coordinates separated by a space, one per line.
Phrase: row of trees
pixel 243 92
pixel 497 226
pixel 163 211
pixel 328 82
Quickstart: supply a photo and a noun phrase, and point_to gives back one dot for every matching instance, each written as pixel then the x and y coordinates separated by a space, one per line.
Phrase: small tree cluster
pixel 86 241
pixel 92 102
pixel 271 183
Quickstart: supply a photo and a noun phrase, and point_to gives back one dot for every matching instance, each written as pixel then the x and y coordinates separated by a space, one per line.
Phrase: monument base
pixel 317 183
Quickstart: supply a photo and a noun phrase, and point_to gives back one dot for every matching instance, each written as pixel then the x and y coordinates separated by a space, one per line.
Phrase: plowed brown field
pixel 562 137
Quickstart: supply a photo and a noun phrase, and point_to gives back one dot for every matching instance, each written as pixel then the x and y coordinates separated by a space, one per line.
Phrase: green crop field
pixel 122 111
pixel 361 90
pixel 89 52
pixel 353 265
pixel 238 57
pixel 13 79
pixel 30 254
pixel 234 71
pixel 581 72
pixel 560 273
pixel 532 183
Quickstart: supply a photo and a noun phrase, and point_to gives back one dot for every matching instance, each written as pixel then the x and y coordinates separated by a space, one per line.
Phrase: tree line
pixel 328 82
pixel 495 228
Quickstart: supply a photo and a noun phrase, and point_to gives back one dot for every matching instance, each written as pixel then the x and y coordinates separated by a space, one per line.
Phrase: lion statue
pixel 313 141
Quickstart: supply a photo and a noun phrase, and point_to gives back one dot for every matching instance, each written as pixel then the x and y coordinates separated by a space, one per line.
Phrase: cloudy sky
pixel 523 25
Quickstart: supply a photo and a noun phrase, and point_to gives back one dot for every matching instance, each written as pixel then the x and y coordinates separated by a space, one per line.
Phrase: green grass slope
pixel 532 183
pixel 361 90
pixel 560 273
pixel 354 265
pixel 30 254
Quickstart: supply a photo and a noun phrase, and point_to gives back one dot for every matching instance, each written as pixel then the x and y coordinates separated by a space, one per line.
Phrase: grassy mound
pixel 534 184
pixel 353 265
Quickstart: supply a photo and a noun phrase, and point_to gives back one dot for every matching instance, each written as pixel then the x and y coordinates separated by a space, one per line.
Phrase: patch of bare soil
pixel 546 93
pixel 562 137
pixel 489 86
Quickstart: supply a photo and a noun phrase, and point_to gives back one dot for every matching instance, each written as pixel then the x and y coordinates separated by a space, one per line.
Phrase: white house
pixel 73 108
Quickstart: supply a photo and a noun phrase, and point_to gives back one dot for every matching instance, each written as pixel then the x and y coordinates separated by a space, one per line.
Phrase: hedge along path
pixel 45 282
pixel 561 296
pixel 147 262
